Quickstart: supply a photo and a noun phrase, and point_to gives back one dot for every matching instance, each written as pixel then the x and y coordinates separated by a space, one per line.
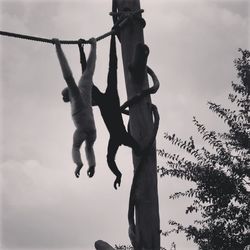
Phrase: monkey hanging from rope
pixel 109 105
pixel 80 98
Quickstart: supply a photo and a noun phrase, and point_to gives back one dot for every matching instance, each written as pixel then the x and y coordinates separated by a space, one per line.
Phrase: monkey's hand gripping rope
pixel 118 25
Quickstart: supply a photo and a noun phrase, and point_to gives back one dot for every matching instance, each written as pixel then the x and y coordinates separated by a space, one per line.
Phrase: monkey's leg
pixel 129 141
pixel 78 138
pixel 91 137
pixel 113 146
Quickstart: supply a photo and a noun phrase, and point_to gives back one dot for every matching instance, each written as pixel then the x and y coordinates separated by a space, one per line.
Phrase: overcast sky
pixel 192 47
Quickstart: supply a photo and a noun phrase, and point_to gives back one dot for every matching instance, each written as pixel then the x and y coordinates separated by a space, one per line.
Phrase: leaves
pixel 221 175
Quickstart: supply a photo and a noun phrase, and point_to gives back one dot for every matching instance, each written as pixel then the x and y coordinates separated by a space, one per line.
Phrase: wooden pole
pixel 141 126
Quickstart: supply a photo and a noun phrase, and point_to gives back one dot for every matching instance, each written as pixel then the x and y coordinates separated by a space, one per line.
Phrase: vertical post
pixel 141 127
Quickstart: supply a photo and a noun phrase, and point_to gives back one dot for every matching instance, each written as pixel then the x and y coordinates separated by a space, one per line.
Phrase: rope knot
pixel 81 41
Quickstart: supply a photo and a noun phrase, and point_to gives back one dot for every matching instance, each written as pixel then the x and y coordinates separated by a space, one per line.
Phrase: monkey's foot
pixel 77 170
pixel 117 181
pixel 91 171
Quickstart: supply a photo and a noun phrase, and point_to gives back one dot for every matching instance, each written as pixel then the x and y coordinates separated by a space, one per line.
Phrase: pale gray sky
pixel 192 47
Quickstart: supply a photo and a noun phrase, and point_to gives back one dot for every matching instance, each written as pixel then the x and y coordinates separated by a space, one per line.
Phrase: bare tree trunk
pixel 141 127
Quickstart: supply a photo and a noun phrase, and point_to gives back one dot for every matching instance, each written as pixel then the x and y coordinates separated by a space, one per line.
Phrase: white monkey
pixel 80 98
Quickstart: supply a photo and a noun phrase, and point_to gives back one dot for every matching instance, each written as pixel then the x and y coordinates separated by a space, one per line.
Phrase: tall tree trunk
pixel 141 127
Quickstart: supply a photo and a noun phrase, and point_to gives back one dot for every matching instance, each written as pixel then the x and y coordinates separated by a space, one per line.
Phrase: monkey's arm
pixel 90 67
pixel 82 57
pixel 112 74
pixel 67 74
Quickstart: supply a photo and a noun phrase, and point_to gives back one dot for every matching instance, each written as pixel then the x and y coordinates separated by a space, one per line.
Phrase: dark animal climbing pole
pixel 147 230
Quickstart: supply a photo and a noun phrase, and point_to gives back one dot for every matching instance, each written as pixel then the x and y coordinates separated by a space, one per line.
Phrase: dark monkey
pixel 109 105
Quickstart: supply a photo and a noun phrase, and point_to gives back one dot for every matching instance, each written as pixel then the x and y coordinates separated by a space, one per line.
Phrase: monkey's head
pixel 65 94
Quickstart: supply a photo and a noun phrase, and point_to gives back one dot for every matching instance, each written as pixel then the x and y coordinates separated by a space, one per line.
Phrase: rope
pixel 132 197
pixel 33 38
pixel 143 94
pixel 119 24
pixel 145 151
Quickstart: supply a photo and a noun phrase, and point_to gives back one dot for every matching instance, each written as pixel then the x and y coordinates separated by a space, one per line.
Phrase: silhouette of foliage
pixel 221 174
